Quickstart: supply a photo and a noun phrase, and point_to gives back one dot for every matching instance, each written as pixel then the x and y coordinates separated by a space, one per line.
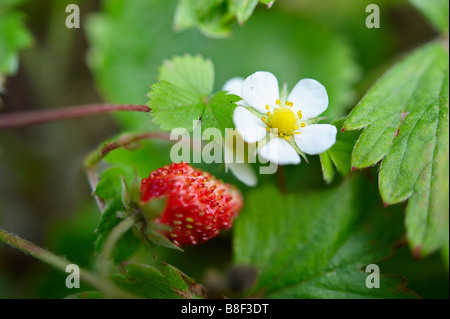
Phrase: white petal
pixel 260 89
pixel 310 97
pixel 233 86
pixel 279 151
pixel 251 128
pixel 244 173
pixel 317 138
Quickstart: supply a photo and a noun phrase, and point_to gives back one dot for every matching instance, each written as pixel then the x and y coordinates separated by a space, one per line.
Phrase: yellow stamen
pixel 268 113
pixel 298 133
pixel 268 129
pixel 291 104
pixel 303 125
pixel 278 102
pixel 299 113
pixel 267 107
pixel 263 119
pixel 283 119
pixel 287 103
pixel 296 127
pixel 287 138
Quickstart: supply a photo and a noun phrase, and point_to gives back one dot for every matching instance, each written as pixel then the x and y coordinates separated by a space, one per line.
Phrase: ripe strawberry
pixel 198 205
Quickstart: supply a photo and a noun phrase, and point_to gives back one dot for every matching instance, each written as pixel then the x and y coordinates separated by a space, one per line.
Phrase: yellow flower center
pixel 284 119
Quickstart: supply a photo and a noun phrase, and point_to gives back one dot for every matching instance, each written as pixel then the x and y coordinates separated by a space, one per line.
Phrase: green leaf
pixel 214 17
pixel 243 9
pixel 14 36
pixel 185 15
pixel 327 167
pixel 314 245
pixel 124 56
pixel 109 186
pixel 182 284
pixel 174 107
pixel 406 114
pixel 148 282
pixel 219 111
pixel 125 164
pixel 192 73
pixel 210 16
pixel 110 218
pixel 436 11
pixel 182 96
pixel 340 154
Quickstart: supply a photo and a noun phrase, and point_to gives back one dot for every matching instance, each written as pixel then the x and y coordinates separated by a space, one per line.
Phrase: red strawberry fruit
pixel 198 205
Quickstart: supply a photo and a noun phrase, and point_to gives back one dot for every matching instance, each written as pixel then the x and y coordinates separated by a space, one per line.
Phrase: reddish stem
pixel 18 119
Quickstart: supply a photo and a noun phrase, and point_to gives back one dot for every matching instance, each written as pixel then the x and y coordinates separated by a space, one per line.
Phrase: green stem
pixel 124 141
pixel 60 263
pixel 112 240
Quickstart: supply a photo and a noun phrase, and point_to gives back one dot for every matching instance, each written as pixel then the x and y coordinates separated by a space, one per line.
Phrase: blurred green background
pixel 114 57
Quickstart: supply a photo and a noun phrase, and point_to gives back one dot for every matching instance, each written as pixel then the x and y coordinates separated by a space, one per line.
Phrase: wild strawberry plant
pixel 319 185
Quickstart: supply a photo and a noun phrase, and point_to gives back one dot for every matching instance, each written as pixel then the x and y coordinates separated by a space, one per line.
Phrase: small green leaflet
pixel 129 166
pixel 405 121
pixel 436 11
pixel 184 96
pixel 13 37
pixel 317 244
pixel 339 155
pixel 109 189
pixel 206 15
pixel 148 282
pixel 214 18
pixel 243 9
pixel 192 73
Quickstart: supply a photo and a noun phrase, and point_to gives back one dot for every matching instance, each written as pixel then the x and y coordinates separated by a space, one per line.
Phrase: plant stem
pixel 281 179
pixel 60 263
pixel 125 141
pixel 111 241
pixel 12 120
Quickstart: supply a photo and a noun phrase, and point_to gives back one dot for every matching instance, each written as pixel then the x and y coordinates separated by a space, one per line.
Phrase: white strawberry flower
pixel 283 125
pixel 242 170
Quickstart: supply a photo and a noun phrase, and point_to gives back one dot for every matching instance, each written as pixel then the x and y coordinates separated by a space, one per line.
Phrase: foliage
pixel 14 36
pixel 124 68
pixel 316 244
pixel 406 114
pixel 214 18
pixel 183 96
pixel 308 231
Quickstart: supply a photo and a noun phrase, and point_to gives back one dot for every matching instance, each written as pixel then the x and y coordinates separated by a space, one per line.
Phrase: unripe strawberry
pixel 198 206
